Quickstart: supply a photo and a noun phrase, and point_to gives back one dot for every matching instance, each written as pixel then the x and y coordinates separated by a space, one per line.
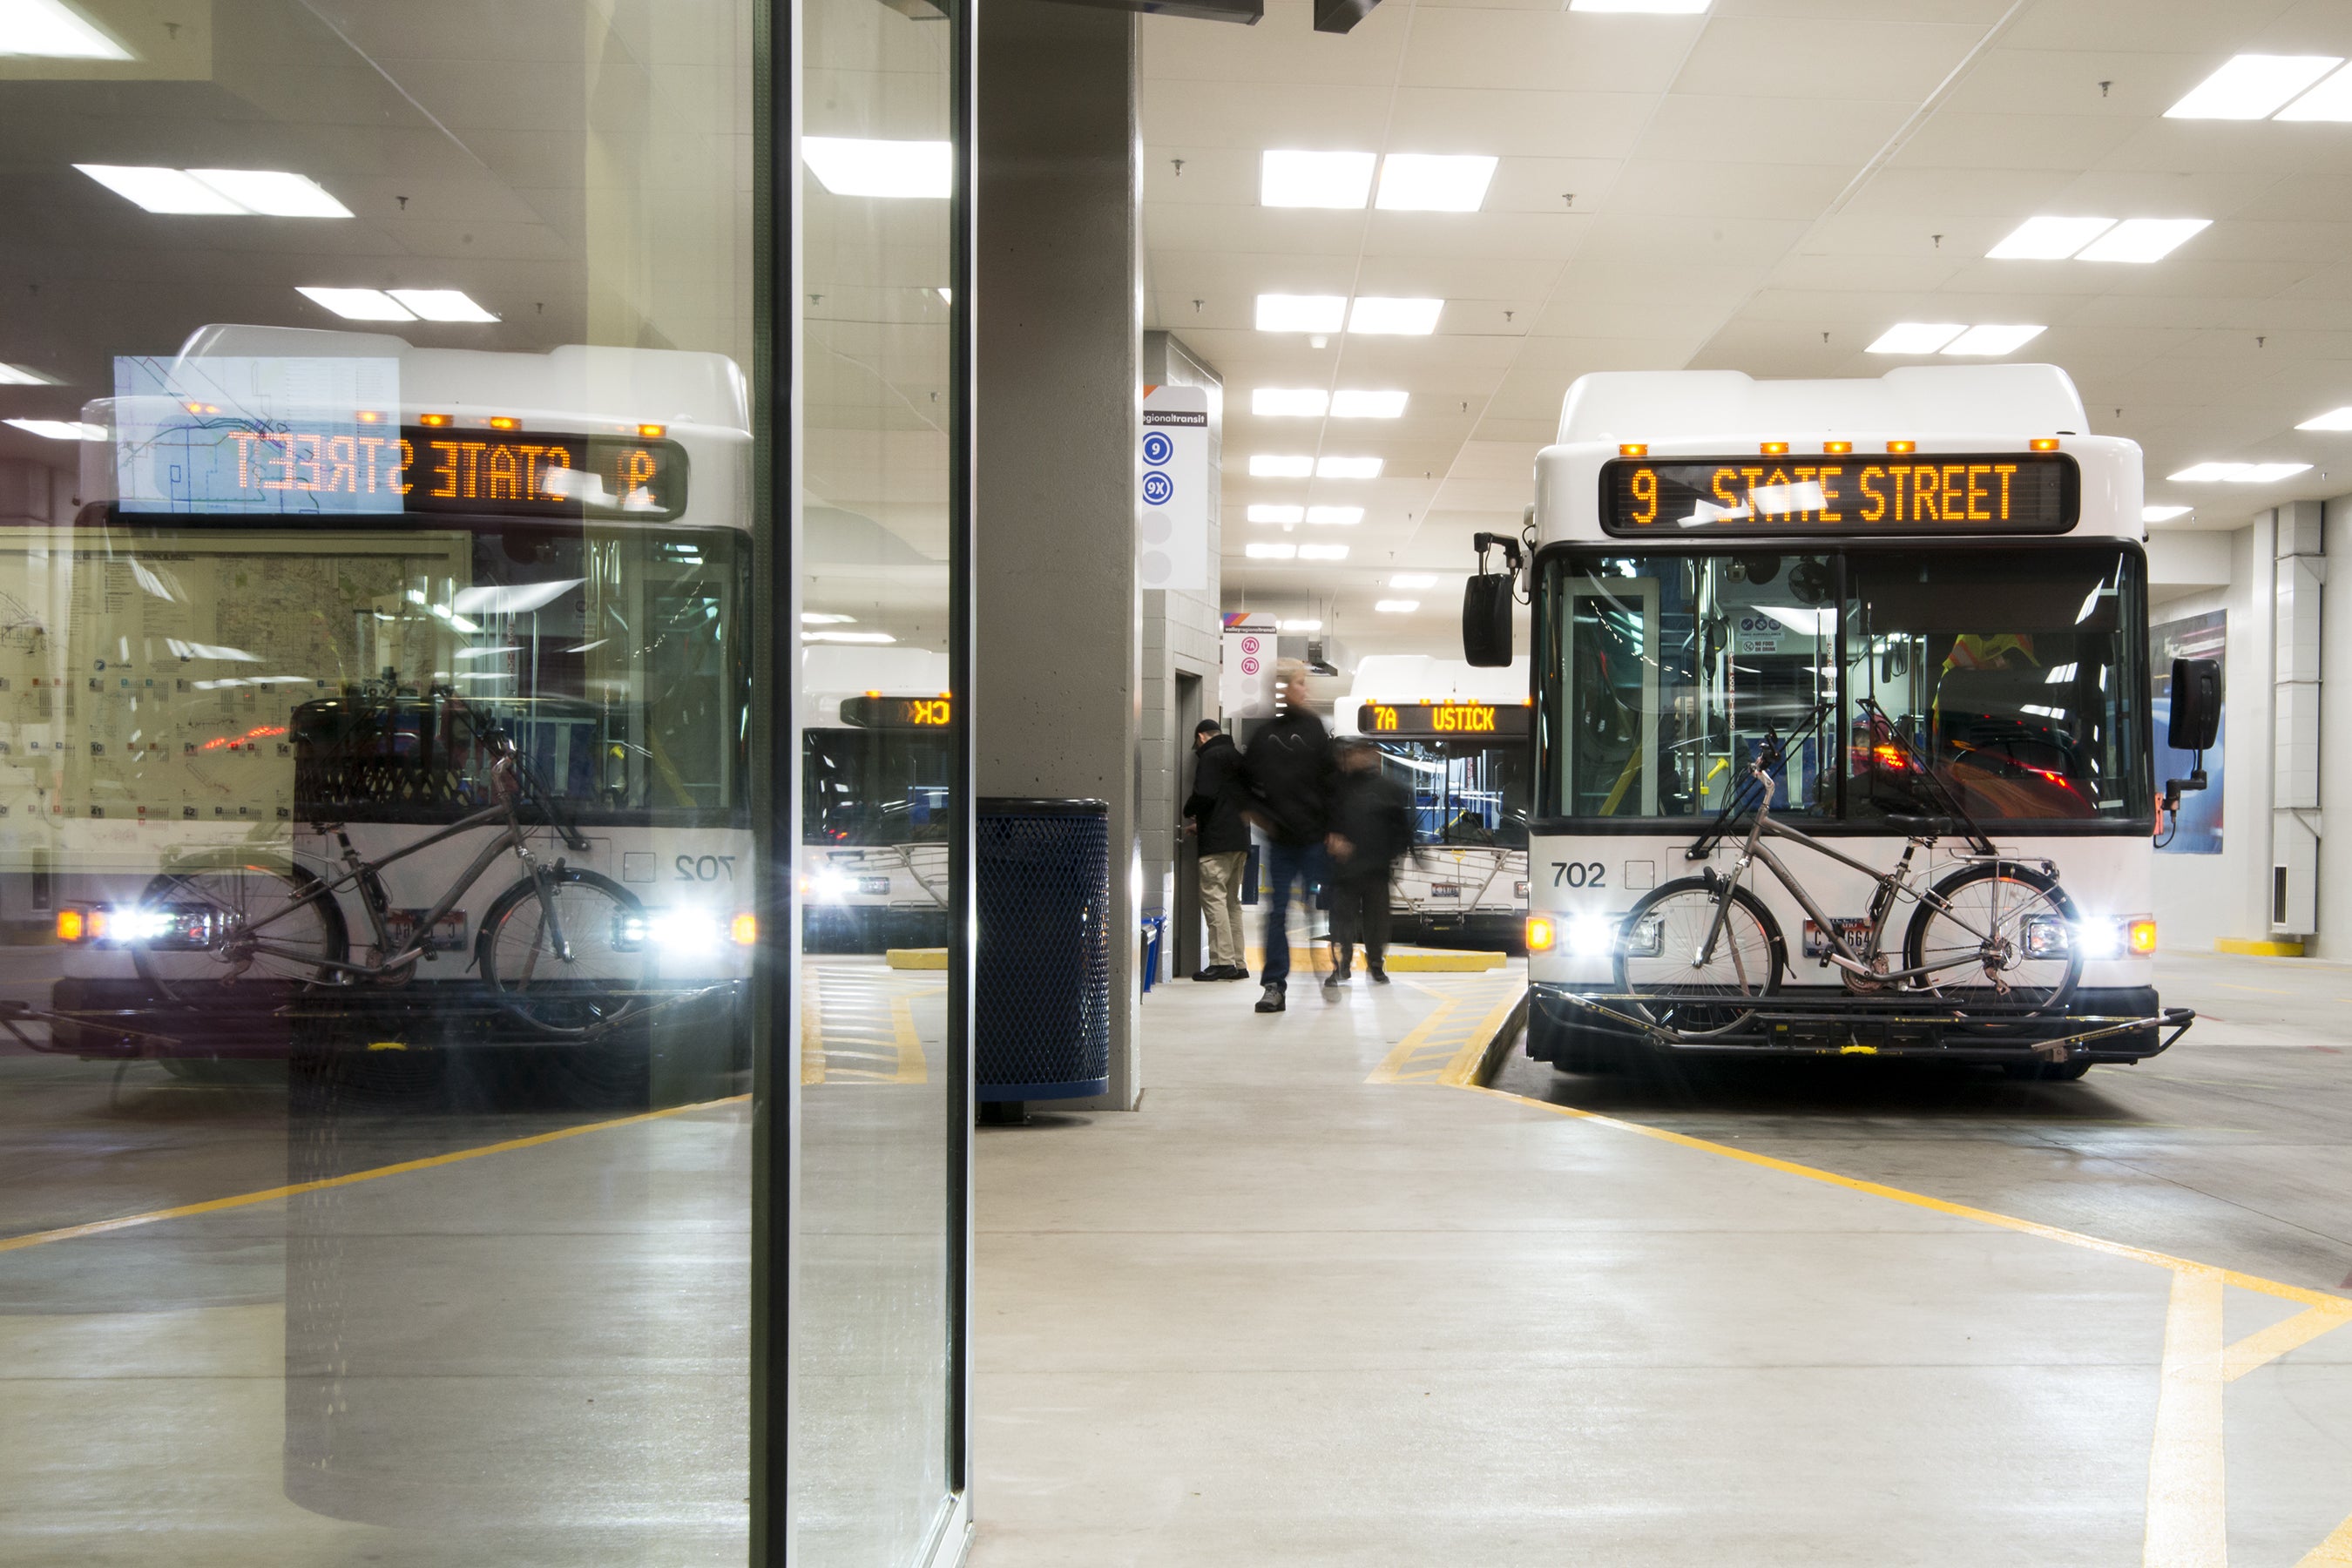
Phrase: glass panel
pixel 1464 793
pixel 1668 672
pixel 375 867
pixel 877 1230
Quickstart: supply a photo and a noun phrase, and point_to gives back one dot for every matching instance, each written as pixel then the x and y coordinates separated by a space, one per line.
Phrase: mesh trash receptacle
pixel 1040 1025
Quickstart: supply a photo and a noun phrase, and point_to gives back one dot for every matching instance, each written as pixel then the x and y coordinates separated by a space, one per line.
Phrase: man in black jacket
pixel 1372 827
pixel 1289 770
pixel 1221 834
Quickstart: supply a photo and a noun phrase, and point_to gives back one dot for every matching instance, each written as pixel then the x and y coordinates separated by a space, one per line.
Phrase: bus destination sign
pixel 2003 493
pixel 1497 720
pixel 871 712
pixel 446 468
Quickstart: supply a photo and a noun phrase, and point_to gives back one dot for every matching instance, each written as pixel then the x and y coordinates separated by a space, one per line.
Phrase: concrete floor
pixel 1290 1314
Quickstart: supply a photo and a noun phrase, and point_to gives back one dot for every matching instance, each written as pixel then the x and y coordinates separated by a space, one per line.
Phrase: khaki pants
pixel 1221 905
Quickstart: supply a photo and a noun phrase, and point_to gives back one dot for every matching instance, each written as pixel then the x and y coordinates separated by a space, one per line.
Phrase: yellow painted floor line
pixel 431 1162
pixel 2335 1551
pixel 2266 1346
pixel 1400 1061
pixel 1463 1069
pixel 2188 1516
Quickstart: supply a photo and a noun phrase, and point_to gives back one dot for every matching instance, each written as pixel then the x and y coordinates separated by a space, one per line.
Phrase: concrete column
pixel 1055 696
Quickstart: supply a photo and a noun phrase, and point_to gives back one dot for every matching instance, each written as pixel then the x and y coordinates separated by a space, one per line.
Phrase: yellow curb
pixel 2250 949
pixel 917 957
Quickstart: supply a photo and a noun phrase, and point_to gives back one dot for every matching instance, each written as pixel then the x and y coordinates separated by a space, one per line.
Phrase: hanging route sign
pixel 1171 515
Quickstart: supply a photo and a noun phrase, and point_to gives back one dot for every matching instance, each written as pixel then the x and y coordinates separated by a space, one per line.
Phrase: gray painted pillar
pixel 1059 301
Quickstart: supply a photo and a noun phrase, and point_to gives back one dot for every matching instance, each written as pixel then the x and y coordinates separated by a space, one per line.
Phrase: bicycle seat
pixel 1923 827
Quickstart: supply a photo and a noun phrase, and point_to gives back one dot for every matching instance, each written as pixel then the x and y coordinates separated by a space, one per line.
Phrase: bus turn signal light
pixel 745 930
pixel 1541 933
pixel 73 925
pixel 2142 938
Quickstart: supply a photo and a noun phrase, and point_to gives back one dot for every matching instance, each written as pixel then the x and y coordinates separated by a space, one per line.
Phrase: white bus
pixel 875 760
pixel 1917 605
pixel 330 596
pixel 1456 736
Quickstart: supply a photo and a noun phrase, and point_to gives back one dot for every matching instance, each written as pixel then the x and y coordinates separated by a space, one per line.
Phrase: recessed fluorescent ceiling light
pixel 442 305
pixel 1991 339
pixel 2251 87
pixel 17 376
pixel 1397 606
pixel 1368 404
pixel 1270 551
pixel 2161 514
pixel 1272 465
pixel 1290 401
pixel 272 193
pixel 1298 626
pixel 2049 238
pixel 857 166
pixel 1344 515
pixel 1300 312
pixel 1322 552
pixel 2237 473
pixel 61 429
pixel 2331 99
pixel 1413 580
pixel 2142 240
pixel 847 636
pixel 947 295
pixel 824 619
pixel 160 190
pixel 358 304
pixel 1411 317
pixel 1314 179
pixel 1646 7
pixel 2334 419
pixel 53 31
pixel 1434 183
pixel 1347 467
pixel 1264 512
pixel 1916 337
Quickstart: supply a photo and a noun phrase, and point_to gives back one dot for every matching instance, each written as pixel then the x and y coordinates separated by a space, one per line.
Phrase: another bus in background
pixel 875 760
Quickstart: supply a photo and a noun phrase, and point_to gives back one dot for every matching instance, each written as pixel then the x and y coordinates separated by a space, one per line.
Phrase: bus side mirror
pixel 1487 621
pixel 2196 704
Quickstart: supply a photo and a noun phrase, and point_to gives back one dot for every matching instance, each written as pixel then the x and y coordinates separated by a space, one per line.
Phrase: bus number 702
pixel 1578 874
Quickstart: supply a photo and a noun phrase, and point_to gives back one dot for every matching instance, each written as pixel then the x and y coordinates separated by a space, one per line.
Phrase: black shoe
pixel 1335 976
pixel 1380 975
pixel 1272 1001
pixel 1210 972
pixel 1232 972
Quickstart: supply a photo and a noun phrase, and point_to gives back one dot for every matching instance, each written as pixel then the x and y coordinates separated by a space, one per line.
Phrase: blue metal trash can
pixel 1042 967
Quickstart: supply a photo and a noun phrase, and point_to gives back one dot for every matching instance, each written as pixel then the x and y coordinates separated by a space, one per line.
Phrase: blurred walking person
pixel 1371 827
pixel 1219 830
pixel 1289 770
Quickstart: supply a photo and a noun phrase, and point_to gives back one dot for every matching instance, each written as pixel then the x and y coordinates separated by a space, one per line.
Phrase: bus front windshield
pixel 875 788
pixel 1463 792
pixel 2010 683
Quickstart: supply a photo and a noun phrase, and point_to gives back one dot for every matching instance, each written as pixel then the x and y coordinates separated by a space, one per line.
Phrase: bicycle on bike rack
pixel 563 950
pixel 1998 935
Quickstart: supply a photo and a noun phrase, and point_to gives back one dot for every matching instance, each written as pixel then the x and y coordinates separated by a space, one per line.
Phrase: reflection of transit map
pixel 145 681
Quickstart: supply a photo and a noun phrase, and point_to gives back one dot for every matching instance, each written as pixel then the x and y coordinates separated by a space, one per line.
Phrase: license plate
pixel 1446 890
pixel 449 936
pixel 874 887
pixel 1854 929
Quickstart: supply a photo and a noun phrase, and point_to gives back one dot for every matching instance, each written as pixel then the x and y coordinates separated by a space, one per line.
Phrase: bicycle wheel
pixel 214 934
pixel 1663 956
pixel 589 986
pixel 1997 931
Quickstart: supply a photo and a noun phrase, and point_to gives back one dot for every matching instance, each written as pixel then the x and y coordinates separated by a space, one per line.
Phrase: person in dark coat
pixel 1289 769
pixel 1371 827
pixel 1220 835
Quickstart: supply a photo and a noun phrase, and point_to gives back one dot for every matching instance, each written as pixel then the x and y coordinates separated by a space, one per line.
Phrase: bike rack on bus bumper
pixel 1813 1027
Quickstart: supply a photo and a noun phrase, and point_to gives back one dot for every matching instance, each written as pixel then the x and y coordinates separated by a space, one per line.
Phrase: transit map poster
pixel 2191 636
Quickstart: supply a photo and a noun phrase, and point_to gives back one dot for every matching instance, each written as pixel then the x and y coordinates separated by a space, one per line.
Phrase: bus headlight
pixel 1590 936
pixel 1646 939
pixel 636 929
pixel 1541 933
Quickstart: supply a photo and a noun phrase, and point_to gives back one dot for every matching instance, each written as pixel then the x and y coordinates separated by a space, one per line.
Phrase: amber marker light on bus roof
pixel 2043 443
pixel 652 432
pixel 1541 933
pixel 370 417
pixel 505 422
pixel 1900 447
pixel 1633 448
pixel 1773 449
pixel 1837 449
pixel 435 420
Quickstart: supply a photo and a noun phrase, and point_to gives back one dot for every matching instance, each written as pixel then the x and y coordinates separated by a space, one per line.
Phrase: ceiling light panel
pixel 1397 606
pixel 17 376
pixel 1264 511
pixel 1314 179
pixel 1290 401
pixel 1347 467
pixel 1276 465
pixel 51 29
pixel 1367 404
pixel 1257 552
pixel 442 305
pixel 60 429
pixel 1401 318
pixel 160 190
pixel 1916 337
pixel 857 166
pixel 1413 580
pixel 2162 513
pixel 271 192
pixel 2049 238
pixel 2237 473
pixel 1298 626
pixel 1991 339
pixel 1322 552
pixel 2331 99
pixel 848 637
pixel 1300 312
pixel 359 304
pixel 2251 86
pixel 2334 419
pixel 824 619
pixel 1434 183
pixel 2143 240
pixel 1342 516
pixel 2268 473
